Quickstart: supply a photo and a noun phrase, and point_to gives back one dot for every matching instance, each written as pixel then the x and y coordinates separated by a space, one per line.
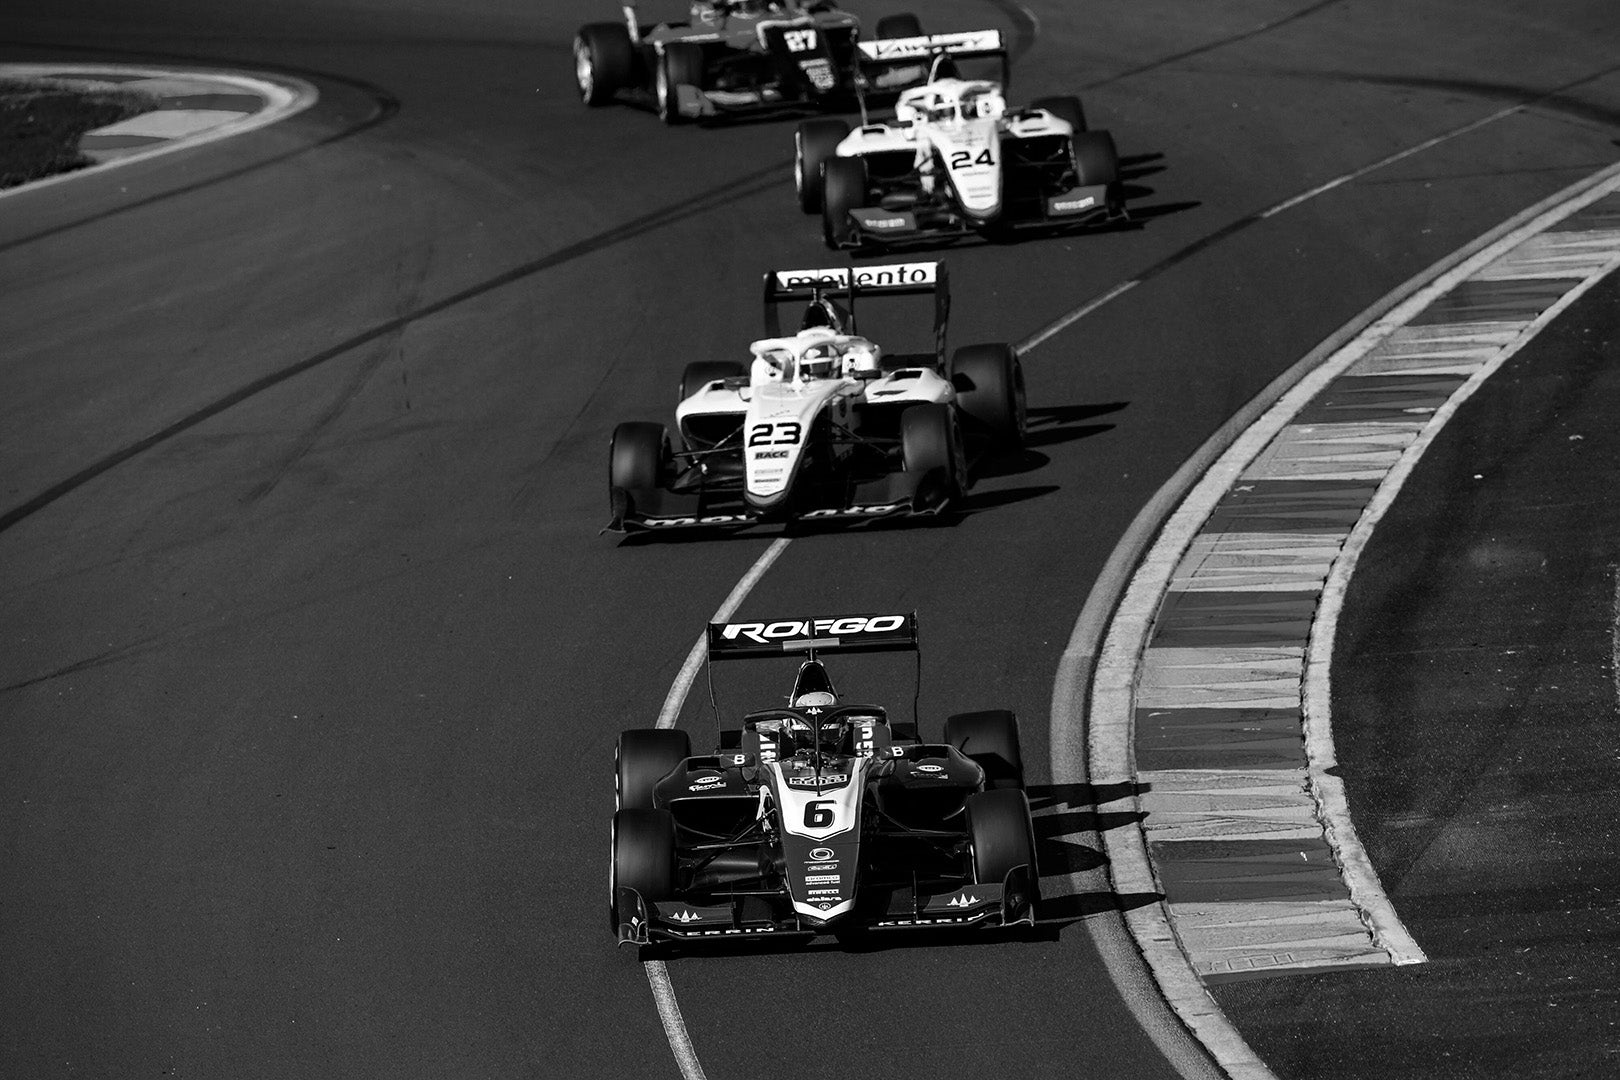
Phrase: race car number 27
pixel 800 40
pixel 775 433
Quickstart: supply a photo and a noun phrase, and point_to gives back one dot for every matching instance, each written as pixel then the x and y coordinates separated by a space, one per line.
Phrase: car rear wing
pixel 852 282
pixel 970 45
pixel 808 638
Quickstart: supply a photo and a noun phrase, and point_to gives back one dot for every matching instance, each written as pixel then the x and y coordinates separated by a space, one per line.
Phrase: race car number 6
pixel 774 433
pixel 819 814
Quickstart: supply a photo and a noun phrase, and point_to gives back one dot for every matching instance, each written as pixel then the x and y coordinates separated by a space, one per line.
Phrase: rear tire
pixel 931 447
pixel 990 739
pixel 1095 158
pixel 604 61
pixel 989 382
pixel 643 857
pixel 843 188
pixel 680 64
pixel 1064 108
pixel 699 373
pixel 642 758
pixel 815 142
pixel 639 457
pixel 1001 835
pixel 904 25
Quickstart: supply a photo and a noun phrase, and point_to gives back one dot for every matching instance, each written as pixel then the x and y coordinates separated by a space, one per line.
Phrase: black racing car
pixel 739 56
pixel 820 816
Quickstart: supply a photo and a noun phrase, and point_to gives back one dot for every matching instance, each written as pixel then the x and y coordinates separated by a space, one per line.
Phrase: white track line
pixel 669 1009
pixel 283 96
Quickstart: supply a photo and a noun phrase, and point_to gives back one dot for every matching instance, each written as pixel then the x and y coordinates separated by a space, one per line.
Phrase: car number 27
pixel 775 433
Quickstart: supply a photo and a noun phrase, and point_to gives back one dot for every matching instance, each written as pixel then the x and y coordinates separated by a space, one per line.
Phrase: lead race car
pixel 955 161
pixel 820 816
pixel 740 56
pixel 823 423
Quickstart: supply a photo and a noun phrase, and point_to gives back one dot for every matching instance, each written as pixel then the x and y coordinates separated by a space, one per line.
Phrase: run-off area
pixel 1478 734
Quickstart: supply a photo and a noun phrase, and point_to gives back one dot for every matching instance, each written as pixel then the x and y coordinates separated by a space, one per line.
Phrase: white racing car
pixel 955 161
pixel 823 422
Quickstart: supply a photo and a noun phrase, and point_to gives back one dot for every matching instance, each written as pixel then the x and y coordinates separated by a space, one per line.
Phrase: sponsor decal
pixel 821 892
pixel 884 222
pixel 821 854
pixel 707 785
pixel 872 510
pixel 963 900
pixel 765 633
pixel 820 74
pixel 761 454
pixel 821 879
pixel 712 519
pixel 916 47
pixel 832 779
pixel 1062 205
pixel 866 277
pixel 821 866
pixel 686 915
pixel 931 768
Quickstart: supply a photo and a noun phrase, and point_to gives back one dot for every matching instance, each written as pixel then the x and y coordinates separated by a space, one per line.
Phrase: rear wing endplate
pixel 810 637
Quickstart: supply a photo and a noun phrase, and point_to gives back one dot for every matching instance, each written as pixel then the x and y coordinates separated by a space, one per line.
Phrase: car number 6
pixel 819 814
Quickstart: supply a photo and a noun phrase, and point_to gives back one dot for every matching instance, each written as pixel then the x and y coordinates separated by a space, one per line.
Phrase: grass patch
pixel 41 121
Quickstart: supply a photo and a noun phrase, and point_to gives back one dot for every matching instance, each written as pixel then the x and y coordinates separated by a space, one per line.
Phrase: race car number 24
pixel 775 433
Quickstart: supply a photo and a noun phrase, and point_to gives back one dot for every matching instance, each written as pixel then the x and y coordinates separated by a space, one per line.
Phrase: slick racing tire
pixel 1095 159
pixel 815 141
pixel 643 757
pixel 990 739
pixel 931 448
pixel 680 64
pixel 639 457
pixel 899 26
pixel 843 188
pixel 989 382
pixel 700 373
pixel 1000 835
pixel 604 61
pixel 1064 108
pixel 643 857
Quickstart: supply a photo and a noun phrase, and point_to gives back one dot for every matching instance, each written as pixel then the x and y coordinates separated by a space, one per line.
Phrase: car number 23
pixel 775 433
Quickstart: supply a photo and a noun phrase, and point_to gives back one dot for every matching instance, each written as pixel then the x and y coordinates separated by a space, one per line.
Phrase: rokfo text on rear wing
pixel 840 634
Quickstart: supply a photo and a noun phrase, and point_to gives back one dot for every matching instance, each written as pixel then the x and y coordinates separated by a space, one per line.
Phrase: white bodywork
pixel 826 814
pixel 954 129
pixel 792 381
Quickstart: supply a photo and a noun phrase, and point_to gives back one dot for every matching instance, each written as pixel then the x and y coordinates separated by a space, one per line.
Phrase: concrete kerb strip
pixel 1123 606
pixel 282 97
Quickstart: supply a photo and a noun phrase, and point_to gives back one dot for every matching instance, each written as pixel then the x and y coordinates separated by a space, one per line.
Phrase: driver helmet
pixel 813 688
pixel 861 359
pixel 820 361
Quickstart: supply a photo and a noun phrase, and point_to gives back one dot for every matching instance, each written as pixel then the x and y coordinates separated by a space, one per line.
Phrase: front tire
pixel 604 61
pixel 989 382
pixel 639 457
pixel 680 64
pixel 642 858
pixel 843 188
pixel 931 447
pixel 990 739
pixel 1095 159
pixel 1001 835
pixel 642 758
pixel 815 142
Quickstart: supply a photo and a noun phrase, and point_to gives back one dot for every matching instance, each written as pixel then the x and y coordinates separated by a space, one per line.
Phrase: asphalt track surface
pixel 315 658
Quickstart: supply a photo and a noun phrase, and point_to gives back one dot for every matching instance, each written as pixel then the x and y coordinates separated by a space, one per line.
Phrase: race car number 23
pixel 775 433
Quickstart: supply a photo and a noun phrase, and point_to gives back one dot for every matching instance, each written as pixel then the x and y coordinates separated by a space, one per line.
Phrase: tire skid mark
pixel 718 197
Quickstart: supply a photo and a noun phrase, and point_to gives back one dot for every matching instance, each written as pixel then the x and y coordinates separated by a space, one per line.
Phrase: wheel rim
pixel 584 71
pixel 663 91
